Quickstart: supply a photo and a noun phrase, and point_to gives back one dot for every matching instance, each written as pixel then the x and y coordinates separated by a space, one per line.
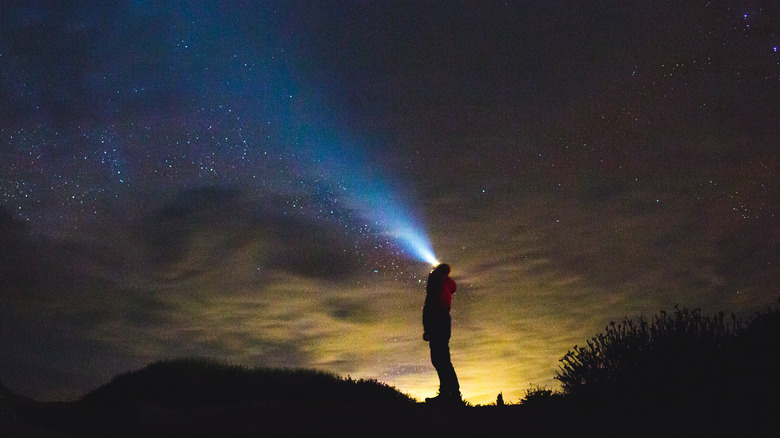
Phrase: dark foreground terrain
pixel 189 398
pixel 417 420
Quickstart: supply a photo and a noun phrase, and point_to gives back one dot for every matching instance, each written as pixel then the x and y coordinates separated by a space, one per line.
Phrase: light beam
pixel 329 156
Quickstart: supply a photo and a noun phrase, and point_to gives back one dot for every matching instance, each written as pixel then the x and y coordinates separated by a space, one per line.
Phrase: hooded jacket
pixel 438 301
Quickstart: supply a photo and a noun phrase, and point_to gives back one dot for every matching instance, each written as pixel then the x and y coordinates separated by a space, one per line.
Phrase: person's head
pixel 443 269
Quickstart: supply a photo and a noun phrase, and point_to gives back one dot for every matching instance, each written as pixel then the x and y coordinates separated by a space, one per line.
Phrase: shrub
pixel 679 358
pixel 540 396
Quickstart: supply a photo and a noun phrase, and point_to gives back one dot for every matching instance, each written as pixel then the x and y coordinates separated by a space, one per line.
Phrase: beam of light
pixel 375 200
pixel 420 245
pixel 326 153
pixel 396 223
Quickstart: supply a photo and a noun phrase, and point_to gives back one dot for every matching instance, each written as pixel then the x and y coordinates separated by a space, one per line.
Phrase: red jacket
pixel 447 290
pixel 439 291
pixel 436 312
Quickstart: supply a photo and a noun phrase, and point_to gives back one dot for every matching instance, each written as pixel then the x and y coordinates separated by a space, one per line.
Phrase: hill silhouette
pixel 204 398
pixel 191 383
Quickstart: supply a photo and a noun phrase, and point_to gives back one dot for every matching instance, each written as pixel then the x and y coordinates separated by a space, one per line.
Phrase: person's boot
pixel 451 398
pixel 454 398
pixel 434 400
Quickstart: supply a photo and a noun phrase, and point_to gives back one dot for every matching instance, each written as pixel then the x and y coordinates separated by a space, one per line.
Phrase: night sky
pixel 226 179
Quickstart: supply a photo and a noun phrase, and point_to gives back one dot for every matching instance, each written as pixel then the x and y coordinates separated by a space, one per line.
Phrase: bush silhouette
pixel 541 396
pixel 187 383
pixel 682 359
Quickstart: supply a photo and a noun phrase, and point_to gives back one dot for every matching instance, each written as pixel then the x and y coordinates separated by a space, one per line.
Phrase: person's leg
pixel 440 358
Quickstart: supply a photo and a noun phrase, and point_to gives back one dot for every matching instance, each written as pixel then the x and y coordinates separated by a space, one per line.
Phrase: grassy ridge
pixel 193 382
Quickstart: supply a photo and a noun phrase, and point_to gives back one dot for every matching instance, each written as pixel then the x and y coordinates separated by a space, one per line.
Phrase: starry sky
pixel 226 179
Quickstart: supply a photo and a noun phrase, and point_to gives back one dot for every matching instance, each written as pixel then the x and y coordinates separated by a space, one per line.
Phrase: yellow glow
pixel 385 343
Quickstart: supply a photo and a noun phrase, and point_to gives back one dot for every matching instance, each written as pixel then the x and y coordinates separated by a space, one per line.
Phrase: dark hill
pixel 203 398
pixel 192 383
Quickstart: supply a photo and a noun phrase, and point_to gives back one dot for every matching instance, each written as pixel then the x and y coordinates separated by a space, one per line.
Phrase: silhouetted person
pixel 437 328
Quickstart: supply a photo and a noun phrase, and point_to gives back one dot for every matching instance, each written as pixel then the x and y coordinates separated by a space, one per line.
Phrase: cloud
pixel 209 226
pixel 208 271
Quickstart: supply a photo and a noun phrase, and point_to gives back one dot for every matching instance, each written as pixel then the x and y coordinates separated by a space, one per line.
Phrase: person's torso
pixel 441 299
